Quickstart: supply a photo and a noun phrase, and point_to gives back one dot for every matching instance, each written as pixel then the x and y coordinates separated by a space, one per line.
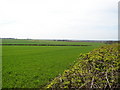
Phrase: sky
pixel 59 19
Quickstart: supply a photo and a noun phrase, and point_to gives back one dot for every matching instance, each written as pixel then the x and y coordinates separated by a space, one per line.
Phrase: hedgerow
pixel 96 69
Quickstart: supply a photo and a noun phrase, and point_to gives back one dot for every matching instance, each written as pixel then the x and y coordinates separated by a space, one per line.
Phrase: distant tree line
pixel 7 38
pixel 111 42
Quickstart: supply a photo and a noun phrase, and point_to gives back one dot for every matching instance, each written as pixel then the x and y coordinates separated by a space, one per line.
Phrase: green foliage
pixel 35 66
pixel 96 69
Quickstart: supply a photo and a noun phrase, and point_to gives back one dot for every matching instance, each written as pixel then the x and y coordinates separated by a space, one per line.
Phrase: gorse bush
pixel 96 69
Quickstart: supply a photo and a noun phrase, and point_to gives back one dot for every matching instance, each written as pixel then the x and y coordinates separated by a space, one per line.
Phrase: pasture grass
pixel 35 66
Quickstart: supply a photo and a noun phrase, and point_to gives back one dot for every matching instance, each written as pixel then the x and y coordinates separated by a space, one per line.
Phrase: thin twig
pixel 92 82
pixel 107 80
pixel 84 84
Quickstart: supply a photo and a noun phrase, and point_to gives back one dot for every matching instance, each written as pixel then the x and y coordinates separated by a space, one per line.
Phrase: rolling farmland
pixel 46 42
pixel 36 66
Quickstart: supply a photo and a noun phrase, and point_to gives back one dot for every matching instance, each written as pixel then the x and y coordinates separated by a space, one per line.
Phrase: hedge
pixel 96 69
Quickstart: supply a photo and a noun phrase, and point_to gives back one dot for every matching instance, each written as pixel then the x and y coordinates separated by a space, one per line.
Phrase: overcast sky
pixel 59 19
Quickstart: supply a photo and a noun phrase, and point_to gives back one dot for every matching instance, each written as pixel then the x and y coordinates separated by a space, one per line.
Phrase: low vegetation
pixel 96 69
pixel 34 63
pixel 35 66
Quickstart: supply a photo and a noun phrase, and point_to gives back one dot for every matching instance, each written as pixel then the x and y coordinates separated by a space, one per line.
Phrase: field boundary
pixel 39 45
pixel 96 69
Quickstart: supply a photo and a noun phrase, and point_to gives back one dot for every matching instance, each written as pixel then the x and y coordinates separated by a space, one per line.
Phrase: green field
pixel 21 41
pixel 32 66
pixel 36 66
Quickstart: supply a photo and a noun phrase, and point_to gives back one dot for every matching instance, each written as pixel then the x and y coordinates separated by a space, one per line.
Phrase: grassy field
pixel 21 41
pixel 33 66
